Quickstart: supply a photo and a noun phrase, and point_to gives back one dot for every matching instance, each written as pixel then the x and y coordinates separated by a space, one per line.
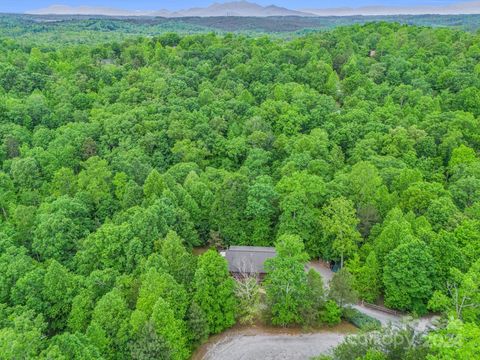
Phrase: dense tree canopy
pixel 118 158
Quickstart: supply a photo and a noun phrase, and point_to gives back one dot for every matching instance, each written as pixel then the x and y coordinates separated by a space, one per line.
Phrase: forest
pixel 50 31
pixel 358 145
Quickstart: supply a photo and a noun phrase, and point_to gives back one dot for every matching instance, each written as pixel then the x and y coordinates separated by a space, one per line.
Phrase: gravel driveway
pixel 273 347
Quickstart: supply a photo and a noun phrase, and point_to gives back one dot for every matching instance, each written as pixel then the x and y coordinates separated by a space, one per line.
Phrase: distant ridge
pixel 465 8
pixel 239 8
pixel 234 8
pixel 95 10
pixel 246 8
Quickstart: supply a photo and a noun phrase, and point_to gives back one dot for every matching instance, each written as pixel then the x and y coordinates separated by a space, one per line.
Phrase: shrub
pixel 361 320
pixel 331 314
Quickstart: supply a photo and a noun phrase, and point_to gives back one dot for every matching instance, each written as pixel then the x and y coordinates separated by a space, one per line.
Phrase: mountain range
pixel 245 8
pixel 234 8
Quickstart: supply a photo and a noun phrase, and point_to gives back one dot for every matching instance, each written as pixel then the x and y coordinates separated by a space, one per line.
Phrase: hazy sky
pixel 24 5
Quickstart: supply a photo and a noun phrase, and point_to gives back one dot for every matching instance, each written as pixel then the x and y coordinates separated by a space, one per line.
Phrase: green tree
pixel 95 182
pixel 461 297
pixel 149 345
pixel 7 194
pixel 407 277
pixel 111 246
pixel 300 196
pixel 395 230
pixel 64 183
pixel 369 282
pixel 341 288
pixel 108 329
pixel 70 346
pixel 229 208
pixel 21 337
pixel 316 296
pixel 60 226
pixel 214 291
pixel 262 208
pixel 461 157
pixel 170 328
pixel 364 182
pixel 339 224
pixel 155 285
pixel 59 287
pixel 179 263
pixel 197 324
pixel 14 264
pixel 286 284
pixel 154 185
pixel 457 341
pixel 26 173
pixel 331 314
pixel 81 311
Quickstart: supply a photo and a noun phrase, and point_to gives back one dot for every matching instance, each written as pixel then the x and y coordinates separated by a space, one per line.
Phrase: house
pixel 248 260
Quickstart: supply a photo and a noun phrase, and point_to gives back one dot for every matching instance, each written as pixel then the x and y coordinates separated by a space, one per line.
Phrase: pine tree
pixel 214 291
pixel 149 345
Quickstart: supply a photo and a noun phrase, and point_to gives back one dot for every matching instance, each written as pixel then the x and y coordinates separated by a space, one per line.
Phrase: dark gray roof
pixel 248 259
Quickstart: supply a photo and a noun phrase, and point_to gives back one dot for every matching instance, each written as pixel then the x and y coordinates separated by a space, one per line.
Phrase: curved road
pixel 384 317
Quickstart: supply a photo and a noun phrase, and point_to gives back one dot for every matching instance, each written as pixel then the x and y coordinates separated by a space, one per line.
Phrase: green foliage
pixel 457 341
pixel 361 320
pixel 71 346
pixel 291 246
pixel 339 224
pixel 460 298
pixel 108 329
pixel 81 311
pixel 229 208
pixel 170 328
pixel 300 195
pixel 123 146
pixel 341 288
pixel 386 343
pixel 367 277
pixel 262 207
pixel 331 314
pixel 408 277
pixel 317 297
pixel 59 227
pixel 156 285
pixel 59 288
pixel 149 345
pixel 214 291
pixel 286 283
pixel 197 324
pixel 153 186
pixel 21 336
pixel 178 262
